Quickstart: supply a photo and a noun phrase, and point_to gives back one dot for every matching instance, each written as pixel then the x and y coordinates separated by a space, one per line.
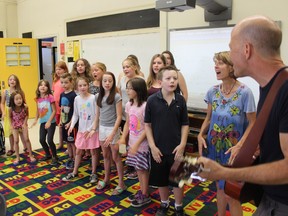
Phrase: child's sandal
pixel 33 160
pixel 101 185
pixel 16 162
pixel 118 190
pixel 10 153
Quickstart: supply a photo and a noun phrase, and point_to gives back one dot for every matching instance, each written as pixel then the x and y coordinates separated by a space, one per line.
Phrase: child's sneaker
pixel 2 152
pixel 69 177
pixel 68 163
pixel 128 170
pixel 54 162
pixel 162 210
pixel 179 211
pixel 93 178
pixel 132 197
pixel 132 175
pixel 141 200
pixel 45 158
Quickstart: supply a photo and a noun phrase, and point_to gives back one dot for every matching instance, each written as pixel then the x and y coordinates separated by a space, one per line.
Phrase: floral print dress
pixel 228 120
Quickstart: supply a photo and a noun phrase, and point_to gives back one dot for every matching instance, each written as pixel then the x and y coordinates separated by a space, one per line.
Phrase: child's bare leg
pixel 25 139
pixel 143 176
pixel 11 141
pixel 70 150
pixel 119 164
pixel 77 161
pixel 16 145
pixel 60 138
pixel 178 193
pixel 107 162
pixel 164 193
pixel 94 160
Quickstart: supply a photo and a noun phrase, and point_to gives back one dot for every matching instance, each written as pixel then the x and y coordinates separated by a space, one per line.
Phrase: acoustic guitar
pixel 246 192
pixel 181 170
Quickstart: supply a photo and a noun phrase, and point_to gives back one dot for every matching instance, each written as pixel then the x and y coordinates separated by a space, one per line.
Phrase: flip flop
pixel 118 190
pixel 16 162
pixel 86 157
pixel 101 185
pixel 33 161
pixel 10 153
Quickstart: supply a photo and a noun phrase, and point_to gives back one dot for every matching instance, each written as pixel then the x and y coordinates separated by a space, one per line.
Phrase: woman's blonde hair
pixel 225 58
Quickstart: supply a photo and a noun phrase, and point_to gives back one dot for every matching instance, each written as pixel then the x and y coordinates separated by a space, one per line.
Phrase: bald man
pixel 255 52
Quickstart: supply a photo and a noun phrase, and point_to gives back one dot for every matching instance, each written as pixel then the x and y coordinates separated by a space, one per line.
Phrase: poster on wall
pixel 69 45
pixel 76 50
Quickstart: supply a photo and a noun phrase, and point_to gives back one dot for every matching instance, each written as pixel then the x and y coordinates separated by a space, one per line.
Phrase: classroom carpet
pixel 37 190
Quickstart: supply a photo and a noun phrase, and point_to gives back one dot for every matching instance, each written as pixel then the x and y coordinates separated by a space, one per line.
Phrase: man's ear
pixel 248 50
pixel 159 81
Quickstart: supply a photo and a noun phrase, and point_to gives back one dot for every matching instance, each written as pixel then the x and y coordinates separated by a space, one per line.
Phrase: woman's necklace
pixel 228 92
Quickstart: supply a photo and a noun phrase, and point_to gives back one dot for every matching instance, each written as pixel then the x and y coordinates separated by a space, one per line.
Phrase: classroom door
pixel 19 56
pixel 47 64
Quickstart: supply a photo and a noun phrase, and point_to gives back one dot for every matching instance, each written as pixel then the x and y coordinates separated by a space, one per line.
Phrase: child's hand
pixel 24 126
pixel 33 124
pixel 178 151
pixel 90 134
pixel 3 116
pixel 121 141
pixel 133 150
pixel 108 140
pixel 67 125
pixel 86 134
pixel 69 131
pixel 201 144
pixel 156 154
pixel 47 125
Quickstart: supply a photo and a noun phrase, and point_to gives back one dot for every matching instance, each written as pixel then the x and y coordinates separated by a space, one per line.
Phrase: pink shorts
pixel 87 143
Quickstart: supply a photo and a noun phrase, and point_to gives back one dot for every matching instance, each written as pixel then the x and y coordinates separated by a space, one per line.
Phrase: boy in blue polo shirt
pixel 166 126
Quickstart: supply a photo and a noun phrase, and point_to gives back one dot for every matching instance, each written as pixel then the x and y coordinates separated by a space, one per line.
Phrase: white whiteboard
pixel 113 50
pixel 193 50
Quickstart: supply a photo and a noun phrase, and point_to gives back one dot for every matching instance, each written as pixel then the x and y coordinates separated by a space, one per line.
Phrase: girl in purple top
pixel 18 113
pixel 158 61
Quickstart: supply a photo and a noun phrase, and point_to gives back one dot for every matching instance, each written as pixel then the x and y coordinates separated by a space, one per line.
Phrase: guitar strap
pixel 245 156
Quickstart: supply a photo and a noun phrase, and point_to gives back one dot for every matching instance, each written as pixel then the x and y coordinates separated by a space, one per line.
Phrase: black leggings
pixel 50 135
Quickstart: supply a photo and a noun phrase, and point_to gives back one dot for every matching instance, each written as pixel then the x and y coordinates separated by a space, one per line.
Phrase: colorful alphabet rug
pixel 37 190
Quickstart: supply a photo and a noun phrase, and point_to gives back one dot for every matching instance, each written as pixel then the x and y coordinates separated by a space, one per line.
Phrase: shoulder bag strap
pixel 245 156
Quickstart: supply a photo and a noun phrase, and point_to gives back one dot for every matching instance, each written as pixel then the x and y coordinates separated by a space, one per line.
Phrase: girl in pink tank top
pixel 18 113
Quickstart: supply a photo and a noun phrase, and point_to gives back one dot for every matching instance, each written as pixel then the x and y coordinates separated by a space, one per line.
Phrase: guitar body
pixel 244 192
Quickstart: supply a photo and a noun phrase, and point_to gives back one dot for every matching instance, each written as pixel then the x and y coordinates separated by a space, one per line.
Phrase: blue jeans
pixel 269 207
